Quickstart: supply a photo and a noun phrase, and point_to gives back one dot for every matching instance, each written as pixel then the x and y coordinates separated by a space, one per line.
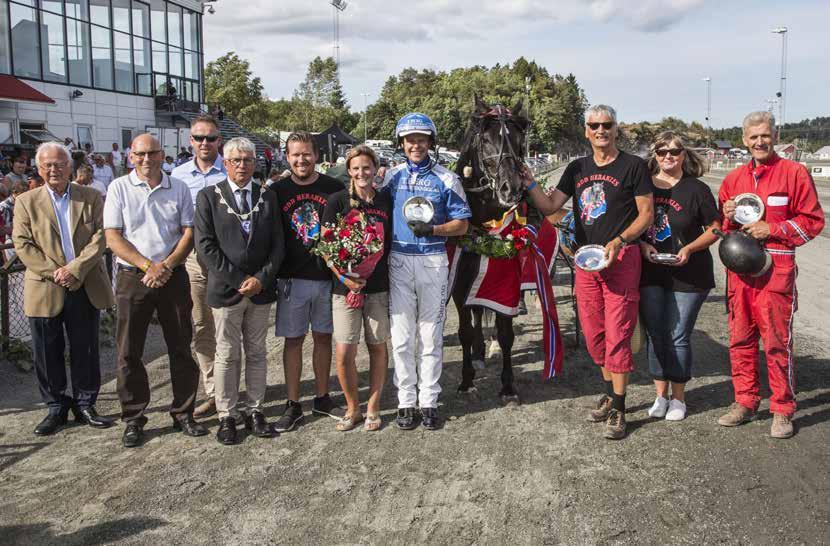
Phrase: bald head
pixel 146 154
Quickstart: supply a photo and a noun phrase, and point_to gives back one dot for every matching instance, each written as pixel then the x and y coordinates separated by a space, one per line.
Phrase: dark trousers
pixel 136 305
pixel 80 320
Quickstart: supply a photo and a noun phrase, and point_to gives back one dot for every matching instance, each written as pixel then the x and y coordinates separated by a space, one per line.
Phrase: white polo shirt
pixel 150 219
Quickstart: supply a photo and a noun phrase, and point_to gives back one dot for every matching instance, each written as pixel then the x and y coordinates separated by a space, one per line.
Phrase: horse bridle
pixel 488 181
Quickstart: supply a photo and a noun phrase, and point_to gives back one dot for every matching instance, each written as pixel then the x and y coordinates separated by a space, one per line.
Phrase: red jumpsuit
pixel 764 306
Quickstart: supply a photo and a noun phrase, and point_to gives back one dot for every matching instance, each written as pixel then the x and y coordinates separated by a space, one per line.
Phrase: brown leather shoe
pixel 737 415
pixel 205 409
pixel 615 425
pixel 782 426
pixel 600 413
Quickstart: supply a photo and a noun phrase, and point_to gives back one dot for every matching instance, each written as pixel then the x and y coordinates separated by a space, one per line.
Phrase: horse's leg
pixel 465 337
pixel 478 338
pixel 504 328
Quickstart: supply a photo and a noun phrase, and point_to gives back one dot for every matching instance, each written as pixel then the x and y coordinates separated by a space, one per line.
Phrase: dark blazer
pixel 230 258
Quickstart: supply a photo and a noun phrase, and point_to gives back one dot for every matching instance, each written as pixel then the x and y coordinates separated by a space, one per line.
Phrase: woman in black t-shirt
pixel 362 165
pixel 671 295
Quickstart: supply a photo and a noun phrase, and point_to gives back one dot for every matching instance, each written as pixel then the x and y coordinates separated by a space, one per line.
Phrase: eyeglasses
pixel 237 161
pixel 61 165
pixel 202 138
pixel 142 155
pixel 673 151
pixel 594 125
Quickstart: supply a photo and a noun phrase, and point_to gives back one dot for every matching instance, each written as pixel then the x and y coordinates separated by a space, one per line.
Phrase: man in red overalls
pixel 763 307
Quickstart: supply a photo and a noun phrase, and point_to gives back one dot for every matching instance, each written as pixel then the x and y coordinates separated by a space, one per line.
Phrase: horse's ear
pixel 480 106
pixel 518 107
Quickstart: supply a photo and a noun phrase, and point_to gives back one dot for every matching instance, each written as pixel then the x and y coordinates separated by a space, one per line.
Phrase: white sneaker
pixel 677 411
pixel 658 409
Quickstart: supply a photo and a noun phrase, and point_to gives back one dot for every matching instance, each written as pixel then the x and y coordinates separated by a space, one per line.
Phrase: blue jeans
pixel 669 318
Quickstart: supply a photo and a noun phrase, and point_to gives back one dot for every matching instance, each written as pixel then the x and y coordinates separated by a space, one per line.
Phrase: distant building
pixel 787 151
pixel 723 146
pixel 822 153
pixel 99 71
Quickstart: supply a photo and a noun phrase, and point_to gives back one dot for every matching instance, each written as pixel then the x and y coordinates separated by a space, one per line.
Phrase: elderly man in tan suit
pixel 58 235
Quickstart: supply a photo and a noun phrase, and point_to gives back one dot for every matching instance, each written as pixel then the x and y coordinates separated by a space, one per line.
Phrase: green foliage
pixel 229 82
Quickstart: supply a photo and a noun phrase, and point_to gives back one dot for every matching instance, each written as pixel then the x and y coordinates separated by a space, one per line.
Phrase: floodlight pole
pixel 365 117
pixel 338 5
pixel 527 139
pixel 783 86
pixel 708 81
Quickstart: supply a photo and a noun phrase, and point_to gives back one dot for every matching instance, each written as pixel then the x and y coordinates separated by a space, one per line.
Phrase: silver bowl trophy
pixel 418 209
pixel 749 208
pixel 590 258
pixel 665 258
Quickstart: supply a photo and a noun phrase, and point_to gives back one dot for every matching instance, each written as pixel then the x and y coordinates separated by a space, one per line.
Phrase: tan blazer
pixel 37 241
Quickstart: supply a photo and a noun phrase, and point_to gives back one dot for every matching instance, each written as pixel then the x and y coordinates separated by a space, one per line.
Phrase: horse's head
pixel 494 147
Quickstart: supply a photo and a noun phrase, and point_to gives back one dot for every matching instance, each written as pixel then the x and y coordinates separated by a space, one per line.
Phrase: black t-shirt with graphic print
pixel 603 197
pixel 681 214
pixel 379 211
pixel 302 209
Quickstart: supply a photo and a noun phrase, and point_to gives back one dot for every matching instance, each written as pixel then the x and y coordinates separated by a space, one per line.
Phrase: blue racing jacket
pixel 434 182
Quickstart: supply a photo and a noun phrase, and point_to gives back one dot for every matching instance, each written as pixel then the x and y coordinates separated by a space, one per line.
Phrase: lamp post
pixel 527 139
pixel 338 5
pixel 708 81
pixel 365 117
pixel 783 86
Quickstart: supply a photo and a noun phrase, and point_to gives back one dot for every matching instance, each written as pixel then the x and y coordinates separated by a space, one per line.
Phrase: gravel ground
pixel 536 473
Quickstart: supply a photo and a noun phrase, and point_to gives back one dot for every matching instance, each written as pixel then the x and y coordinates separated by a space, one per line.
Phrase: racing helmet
pixel 416 122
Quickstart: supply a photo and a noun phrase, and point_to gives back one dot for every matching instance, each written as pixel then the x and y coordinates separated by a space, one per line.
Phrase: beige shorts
pixel 374 317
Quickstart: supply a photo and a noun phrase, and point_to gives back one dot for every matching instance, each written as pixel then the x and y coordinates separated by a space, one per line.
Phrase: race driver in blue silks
pixel 418 269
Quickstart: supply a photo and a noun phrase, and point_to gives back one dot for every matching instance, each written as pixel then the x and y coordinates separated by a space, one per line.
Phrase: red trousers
pixel 760 313
pixel 608 302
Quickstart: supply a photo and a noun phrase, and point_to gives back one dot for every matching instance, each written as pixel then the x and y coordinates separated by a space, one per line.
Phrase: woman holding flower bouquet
pixel 355 242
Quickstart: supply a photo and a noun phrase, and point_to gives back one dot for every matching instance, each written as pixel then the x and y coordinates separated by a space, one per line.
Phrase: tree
pixel 319 99
pixel 230 83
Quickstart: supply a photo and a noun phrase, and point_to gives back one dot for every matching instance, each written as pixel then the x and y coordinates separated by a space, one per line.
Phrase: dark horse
pixel 493 153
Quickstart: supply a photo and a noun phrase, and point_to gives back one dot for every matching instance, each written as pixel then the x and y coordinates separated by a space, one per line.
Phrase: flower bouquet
pixel 353 245
pixel 494 245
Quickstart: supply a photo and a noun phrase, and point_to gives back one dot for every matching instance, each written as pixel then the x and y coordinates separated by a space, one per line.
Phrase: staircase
pixel 231 129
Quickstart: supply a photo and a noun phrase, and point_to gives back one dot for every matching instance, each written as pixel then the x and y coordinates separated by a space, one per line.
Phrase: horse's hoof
pixel 510 400
pixel 479 364
pixel 467 390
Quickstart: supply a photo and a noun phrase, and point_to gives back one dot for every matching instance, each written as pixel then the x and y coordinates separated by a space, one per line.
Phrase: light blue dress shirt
pixel 61 204
pixel 196 180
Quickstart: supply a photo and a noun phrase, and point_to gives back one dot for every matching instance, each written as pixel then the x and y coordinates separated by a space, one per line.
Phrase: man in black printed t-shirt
pixel 611 193
pixel 304 281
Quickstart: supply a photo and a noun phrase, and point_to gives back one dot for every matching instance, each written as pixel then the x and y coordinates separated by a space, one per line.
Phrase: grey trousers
pixel 204 330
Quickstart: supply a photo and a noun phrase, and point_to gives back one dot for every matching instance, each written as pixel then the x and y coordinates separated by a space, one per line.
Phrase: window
pixel 84 136
pixel 52 42
pixel 159 57
pixel 5 54
pixel 6 132
pixel 174 25
pixel 191 31
pixel 78 55
pixel 141 60
pixel 101 58
pixel 191 65
pixel 175 56
pixel 79 9
pixel 126 138
pixel 25 42
pixel 157 20
pixel 55 6
pixel 123 62
pixel 121 15
pixel 141 19
pixel 99 12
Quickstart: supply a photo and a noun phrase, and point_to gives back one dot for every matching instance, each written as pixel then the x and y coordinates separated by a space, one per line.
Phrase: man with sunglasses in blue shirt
pixel 204 170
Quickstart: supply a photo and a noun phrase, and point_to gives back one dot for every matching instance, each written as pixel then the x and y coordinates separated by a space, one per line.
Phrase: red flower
pixel 353 218
pixel 343 254
pixel 370 229
pixel 345 233
pixel 328 235
pixel 519 244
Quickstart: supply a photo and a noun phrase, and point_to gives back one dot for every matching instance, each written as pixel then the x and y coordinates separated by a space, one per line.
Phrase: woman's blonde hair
pixel 357 151
pixel 693 165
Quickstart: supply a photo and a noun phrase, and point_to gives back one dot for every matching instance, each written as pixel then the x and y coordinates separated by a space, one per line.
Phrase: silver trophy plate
pixel 665 258
pixel 749 208
pixel 590 258
pixel 418 209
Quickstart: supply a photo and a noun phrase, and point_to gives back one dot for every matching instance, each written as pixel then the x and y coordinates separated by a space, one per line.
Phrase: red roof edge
pixel 15 90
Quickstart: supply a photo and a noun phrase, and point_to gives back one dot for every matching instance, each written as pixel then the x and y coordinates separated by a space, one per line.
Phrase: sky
pixel 647 58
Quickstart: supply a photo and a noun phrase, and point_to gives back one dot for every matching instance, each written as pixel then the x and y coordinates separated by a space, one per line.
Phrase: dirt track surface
pixel 538 473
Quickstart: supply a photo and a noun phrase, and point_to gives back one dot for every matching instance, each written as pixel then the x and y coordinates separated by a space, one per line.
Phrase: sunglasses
pixel 605 125
pixel 673 151
pixel 202 138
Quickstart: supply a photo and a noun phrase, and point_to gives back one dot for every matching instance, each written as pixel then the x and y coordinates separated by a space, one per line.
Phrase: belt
pixel 134 269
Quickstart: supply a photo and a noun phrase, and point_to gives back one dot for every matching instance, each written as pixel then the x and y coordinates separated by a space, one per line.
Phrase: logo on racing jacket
pixel 592 204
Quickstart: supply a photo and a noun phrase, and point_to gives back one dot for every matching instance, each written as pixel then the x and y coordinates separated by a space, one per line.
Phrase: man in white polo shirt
pixel 204 170
pixel 148 222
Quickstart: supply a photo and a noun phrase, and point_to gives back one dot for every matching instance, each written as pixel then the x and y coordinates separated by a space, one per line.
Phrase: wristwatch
pixel 623 241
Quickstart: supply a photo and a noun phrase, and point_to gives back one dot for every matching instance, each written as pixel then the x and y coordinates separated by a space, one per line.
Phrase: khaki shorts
pixel 374 317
